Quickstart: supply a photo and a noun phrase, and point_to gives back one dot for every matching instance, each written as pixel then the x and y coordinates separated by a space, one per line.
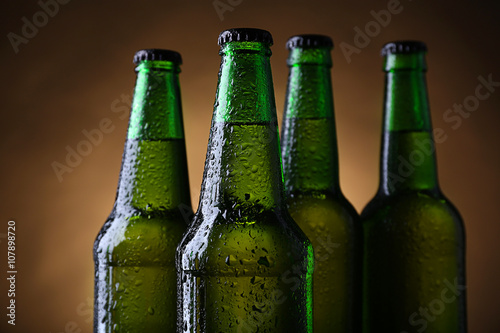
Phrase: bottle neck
pixel 310 157
pixel 243 167
pixel 408 153
pixel 154 168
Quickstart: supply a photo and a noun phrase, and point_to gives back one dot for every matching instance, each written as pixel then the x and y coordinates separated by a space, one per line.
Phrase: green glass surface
pixel 315 201
pixel 156 104
pixel 414 269
pixel 134 253
pixel 244 264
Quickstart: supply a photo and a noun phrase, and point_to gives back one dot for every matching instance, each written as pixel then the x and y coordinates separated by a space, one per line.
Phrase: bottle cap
pixel 309 41
pixel 245 35
pixel 403 47
pixel 157 55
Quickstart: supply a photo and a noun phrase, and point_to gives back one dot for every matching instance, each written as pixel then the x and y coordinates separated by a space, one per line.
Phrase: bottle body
pixel 135 277
pixel 256 282
pixel 329 224
pixel 134 253
pixel 314 198
pixel 414 255
pixel 414 264
pixel 244 265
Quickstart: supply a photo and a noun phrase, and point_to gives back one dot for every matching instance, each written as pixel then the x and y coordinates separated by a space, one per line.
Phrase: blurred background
pixel 68 66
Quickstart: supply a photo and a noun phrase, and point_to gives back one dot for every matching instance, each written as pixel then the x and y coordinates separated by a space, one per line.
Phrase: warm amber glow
pixel 77 70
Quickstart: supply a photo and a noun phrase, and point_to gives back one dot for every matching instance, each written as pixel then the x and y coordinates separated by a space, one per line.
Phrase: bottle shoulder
pixel 325 216
pixel 136 235
pixel 417 227
pixel 213 242
pixel 334 205
pixel 426 208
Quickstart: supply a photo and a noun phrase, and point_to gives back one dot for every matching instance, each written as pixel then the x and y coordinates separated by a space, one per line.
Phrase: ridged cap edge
pixel 309 41
pixel 403 47
pixel 245 35
pixel 157 55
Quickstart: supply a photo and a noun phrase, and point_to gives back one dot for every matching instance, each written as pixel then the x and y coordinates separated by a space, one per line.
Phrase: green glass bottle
pixel 314 198
pixel 244 265
pixel 414 270
pixel 134 253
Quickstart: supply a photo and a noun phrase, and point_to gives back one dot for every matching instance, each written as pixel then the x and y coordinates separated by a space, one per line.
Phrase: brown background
pixel 67 77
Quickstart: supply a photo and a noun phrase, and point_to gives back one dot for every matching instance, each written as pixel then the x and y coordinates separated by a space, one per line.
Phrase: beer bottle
pixel 134 253
pixel 414 274
pixel 244 265
pixel 314 198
